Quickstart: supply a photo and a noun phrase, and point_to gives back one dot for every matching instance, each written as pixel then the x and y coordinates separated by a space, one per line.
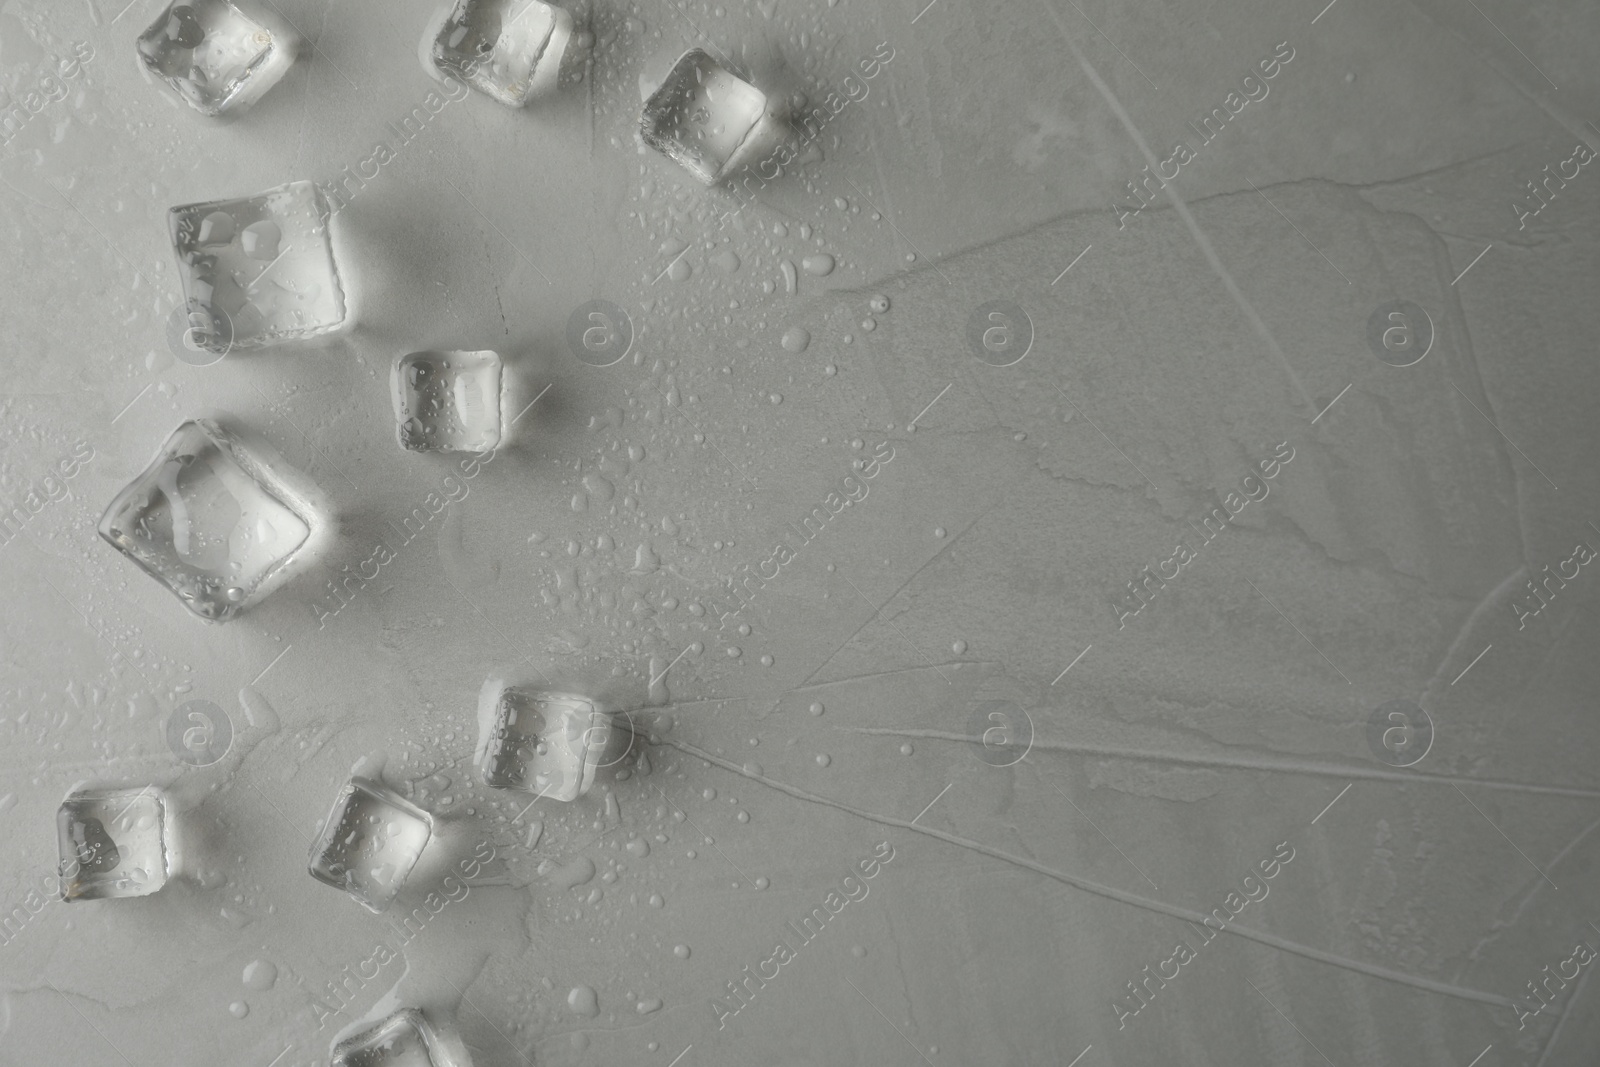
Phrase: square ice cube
pixel 113 843
pixel 508 49
pixel 448 401
pixel 372 839
pixel 210 521
pixel 404 1039
pixel 545 743
pixel 214 55
pixel 702 115
pixel 260 270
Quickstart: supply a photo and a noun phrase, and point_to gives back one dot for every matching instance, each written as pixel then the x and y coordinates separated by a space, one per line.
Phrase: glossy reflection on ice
pixel 448 401
pixel 215 56
pixel 703 116
pixel 259 270
pixel 113 843
pixel 404 1039
pixel 549 744
pixel 370 842
pixel 508 49
pixel 211 521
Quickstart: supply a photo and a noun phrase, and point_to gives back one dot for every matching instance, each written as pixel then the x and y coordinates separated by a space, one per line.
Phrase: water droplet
pixel 879 304
pixel 824 759
pixel 795 339
pixel 762 882
pixel 938 531
pixel 819 264
pixel 906 749
pixel 259 975
pixel 733 651
pixel 743 816
pixel 239 1009
pixel 681 951
pixel 816 709
pixel 583 1001
pixel 766 661
pixel 656 900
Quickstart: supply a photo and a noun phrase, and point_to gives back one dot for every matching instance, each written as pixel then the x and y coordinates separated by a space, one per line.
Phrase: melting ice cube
pixel 549 744
pixel 260 270
pixel 508 49
pixel 704 117
pixel 370 842
pixel 113 843
pixel 448 401
pixel 210 521
pixel 214 55
pixel 404 1039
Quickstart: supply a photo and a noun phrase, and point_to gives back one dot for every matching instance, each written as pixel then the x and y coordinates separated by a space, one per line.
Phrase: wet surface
pixel 1114 504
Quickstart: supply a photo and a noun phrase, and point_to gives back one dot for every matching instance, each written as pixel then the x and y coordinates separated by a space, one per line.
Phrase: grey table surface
pixel 940 673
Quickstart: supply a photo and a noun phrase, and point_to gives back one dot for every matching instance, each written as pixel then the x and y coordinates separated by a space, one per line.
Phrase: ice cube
pixel 448 401
pixel 113 843
pixel 211 521
pixel 215 56
pixel 372 839
pixel 704 117
pixel 260 270
pixel 546 743
pixel 404 1039
pixel 508 49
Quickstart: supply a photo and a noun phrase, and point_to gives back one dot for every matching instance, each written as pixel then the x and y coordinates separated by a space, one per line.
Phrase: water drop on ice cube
pixel 404 1039
pixel 507 49
pixel 370 842
pixel 448 401
pixel 210 521
pixel 113 843
pixel 214 56
pixel 259 270
pixel 548 744
pixel 706 118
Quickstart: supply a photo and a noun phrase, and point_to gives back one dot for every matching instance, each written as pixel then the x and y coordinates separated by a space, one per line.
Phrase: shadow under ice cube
pixel 215 56
pixel 372 839
pixel 448 401
pixel 210 521
pixel 404 1039
pixel 549 744
pixel 113 843
pixel 705 117
pixel 260 270
pixel 508 49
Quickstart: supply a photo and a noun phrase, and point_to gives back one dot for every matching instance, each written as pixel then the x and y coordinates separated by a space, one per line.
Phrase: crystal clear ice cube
pixel 448 401
pixel 508 49
pixel 404 1039
pixel 372 839
pixel 213 55
pixel 260 270
pixel 545 743
pixel 209 520
pixel 113 843
pixel 702 116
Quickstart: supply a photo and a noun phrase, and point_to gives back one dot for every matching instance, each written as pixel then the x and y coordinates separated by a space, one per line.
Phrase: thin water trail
pixel 1328 770
pixel 1131 899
